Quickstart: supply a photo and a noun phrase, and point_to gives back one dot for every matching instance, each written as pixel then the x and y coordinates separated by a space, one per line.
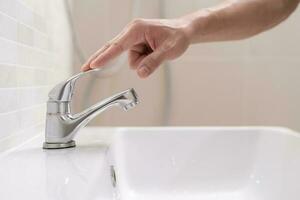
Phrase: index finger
pixel 86 65
pixel 116 47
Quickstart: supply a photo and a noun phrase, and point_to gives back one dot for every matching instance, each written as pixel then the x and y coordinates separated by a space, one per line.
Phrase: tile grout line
pixel 24 109
pixel 25 67
pixel 49 53
pixel 17 133
pixel 28 87
pixel 22 23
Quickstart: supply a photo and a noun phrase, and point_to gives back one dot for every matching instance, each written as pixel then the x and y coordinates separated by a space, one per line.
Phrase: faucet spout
pixel 125 100
pixel 62 126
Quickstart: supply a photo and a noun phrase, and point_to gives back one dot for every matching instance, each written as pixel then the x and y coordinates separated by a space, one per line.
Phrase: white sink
pixel 80 173
pixel 207 164
pixel 159 164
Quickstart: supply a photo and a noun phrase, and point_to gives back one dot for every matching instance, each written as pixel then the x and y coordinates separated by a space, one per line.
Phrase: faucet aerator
pixel 129 106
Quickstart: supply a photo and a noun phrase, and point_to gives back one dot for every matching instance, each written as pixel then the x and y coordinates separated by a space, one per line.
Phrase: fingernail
pixel 83 68
pixel 93 66
pixel 143 71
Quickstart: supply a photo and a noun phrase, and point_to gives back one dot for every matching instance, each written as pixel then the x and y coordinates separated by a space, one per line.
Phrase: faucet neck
pixel 58 107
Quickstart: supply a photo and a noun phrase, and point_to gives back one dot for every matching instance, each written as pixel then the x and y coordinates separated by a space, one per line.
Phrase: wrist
pixel 197 25
pixel 187 28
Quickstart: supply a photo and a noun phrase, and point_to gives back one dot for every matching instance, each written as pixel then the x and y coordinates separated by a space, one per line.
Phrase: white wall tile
pixel 8 51
pixel 9 100
pixel 41 41
pixel 7 76
pixel 30 77
pixel 39 23
pixel 34 57
pixel 9 123
pixel 25 14
pixel 32 96
pixel 28 51
pixel 25 34
pixel 9 7
pixel 31 116
pixel 8 26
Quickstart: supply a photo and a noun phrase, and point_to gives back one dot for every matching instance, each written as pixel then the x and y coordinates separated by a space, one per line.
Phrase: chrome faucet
pixel 62 125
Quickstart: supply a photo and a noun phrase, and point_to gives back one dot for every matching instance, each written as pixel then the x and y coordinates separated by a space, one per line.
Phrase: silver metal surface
pixel 59 145
pixel 62 125
pixel 113 176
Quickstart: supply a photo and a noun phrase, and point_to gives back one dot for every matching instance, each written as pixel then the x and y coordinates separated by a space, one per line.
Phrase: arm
pixel 237 19
pixel 150 42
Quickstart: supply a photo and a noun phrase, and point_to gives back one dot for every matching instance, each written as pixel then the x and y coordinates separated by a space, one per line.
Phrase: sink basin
pixel 207 164
pixel 176 163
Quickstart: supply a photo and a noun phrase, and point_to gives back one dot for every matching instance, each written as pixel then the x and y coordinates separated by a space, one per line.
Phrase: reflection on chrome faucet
pixel 62 125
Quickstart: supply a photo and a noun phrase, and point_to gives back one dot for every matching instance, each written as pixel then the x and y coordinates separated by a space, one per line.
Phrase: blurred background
pixel 249 82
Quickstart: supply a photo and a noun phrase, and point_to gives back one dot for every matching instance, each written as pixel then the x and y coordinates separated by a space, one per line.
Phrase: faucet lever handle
pixel 63 91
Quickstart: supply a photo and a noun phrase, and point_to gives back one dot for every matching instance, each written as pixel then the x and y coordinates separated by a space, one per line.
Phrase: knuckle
pixel 136 23
pixel 117 46
pixel 107 45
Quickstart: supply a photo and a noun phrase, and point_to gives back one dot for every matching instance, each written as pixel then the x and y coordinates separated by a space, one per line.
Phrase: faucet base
pixel 70 144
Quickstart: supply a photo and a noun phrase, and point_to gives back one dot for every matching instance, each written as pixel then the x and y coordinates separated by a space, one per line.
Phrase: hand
pixel 149 43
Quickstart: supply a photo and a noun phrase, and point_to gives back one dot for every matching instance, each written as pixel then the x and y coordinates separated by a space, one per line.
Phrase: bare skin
pixel 150 42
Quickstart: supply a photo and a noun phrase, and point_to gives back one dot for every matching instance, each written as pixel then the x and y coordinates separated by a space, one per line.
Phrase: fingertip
pixel 94 65
pixel 143 71
pixel 100 61
pixel 84 68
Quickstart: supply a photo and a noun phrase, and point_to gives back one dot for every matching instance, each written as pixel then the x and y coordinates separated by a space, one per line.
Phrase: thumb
pixel 149 64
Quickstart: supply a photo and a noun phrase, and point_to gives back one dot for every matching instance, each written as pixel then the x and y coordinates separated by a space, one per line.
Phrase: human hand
pixel 149 43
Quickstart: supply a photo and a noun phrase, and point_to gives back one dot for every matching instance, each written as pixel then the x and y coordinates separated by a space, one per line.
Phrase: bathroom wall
pixel 249 82
pixel 35 54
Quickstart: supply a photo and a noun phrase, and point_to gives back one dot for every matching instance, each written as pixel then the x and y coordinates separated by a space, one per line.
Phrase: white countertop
pixel 30 172
pixel 157 163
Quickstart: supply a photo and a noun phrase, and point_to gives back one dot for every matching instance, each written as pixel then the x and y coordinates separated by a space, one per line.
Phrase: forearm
pixel 237 19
